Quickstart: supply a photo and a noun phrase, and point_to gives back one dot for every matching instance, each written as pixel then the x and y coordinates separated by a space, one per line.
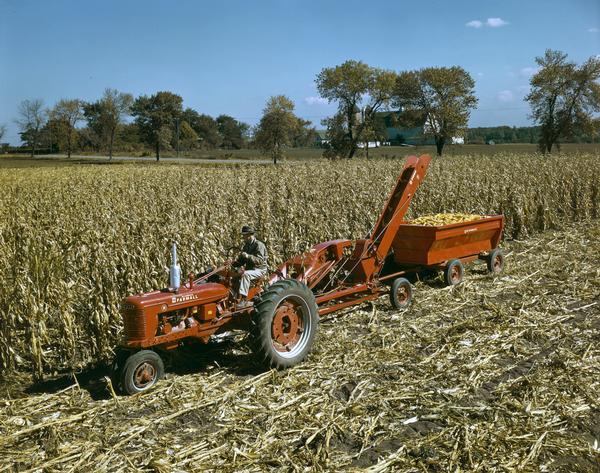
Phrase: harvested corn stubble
pixel 444 219
pixel 499 374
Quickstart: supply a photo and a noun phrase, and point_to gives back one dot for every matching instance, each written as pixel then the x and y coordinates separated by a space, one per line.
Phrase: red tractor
pixel 283 318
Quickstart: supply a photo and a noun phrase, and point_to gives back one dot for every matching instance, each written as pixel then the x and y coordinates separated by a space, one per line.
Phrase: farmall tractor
pixel 283 318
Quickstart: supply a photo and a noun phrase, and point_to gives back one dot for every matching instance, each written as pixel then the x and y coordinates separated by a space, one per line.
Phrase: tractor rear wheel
pixel 453 273
pixel 141 371
pixel 400 293
pixel 284 324
pixel 495 261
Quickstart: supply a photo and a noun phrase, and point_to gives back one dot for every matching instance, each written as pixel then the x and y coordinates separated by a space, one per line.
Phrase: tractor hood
pixel 168 300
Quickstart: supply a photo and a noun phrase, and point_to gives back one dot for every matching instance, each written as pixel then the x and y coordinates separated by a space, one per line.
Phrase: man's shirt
pixel 257 254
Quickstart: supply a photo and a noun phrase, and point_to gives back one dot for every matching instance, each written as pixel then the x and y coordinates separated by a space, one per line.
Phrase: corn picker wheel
pixel 400 293
pixel 453 272
pixel 284 324
pixel 495 261
pixel 141 371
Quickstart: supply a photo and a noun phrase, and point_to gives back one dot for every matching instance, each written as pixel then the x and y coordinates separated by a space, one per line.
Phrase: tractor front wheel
pixel 284 324
pixel 141 371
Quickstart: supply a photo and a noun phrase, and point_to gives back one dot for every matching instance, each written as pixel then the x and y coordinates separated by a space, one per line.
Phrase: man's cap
pixel 247 230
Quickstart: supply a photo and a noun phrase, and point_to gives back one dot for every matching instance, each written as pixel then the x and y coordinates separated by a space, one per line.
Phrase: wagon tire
pixel 454 272
pixel 141 371
pixel 495 261
pixel 284 325
pixel 401 293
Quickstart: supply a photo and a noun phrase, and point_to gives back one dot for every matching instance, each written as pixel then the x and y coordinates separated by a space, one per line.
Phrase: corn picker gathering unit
pixel 284 315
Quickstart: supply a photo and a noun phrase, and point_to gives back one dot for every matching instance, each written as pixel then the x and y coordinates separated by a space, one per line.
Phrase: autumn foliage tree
pixel 278 126
pixel 66 114
pixel 438 98
pixel 564 97
pixel 155 116
pixel 360 92
pixel 105 115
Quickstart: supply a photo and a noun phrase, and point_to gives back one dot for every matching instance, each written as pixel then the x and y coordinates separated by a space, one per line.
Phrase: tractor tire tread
pixel 264 309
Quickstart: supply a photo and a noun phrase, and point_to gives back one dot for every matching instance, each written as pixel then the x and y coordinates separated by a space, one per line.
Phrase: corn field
pixel 74 241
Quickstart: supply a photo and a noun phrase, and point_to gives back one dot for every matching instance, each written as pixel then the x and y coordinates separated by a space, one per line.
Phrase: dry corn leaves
pixel 75 241
pixel 497 374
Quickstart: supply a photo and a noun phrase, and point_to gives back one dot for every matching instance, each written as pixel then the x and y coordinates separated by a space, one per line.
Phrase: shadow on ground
pixel 227 355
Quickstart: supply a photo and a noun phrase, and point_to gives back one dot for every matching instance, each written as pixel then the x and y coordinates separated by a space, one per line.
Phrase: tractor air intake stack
pixel 175 271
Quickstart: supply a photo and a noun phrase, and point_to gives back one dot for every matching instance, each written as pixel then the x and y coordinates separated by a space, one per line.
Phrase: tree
pixel 304 135
pixel 360 91
pixel 187 136
pixel 564 97
pixel 233 133
pixel 338 145
pixel 155 117
pixel 2 131
pixel 32 118
pixel 439 98
pixel 205 127
pixel 277 126
pixel 105 116
pixel 374 131
pixel 67 113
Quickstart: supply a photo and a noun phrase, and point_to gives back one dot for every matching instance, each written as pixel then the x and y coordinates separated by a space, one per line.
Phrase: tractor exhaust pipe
pixel 175 270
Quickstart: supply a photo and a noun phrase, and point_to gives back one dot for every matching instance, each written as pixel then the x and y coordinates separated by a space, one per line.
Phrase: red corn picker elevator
pixel 284 315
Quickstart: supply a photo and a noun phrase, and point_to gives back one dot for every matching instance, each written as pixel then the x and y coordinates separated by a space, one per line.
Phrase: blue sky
pixel 230 56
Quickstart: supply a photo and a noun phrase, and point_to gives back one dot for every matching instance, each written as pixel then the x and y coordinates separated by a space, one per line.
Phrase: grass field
pixel 496 374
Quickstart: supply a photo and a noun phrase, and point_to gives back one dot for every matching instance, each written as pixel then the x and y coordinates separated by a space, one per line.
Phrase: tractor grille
pixel 135 323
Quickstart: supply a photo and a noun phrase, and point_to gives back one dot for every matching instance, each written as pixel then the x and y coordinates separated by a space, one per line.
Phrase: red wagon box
pixel 433 245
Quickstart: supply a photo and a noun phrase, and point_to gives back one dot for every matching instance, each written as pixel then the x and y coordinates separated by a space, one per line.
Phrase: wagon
pixel 449 247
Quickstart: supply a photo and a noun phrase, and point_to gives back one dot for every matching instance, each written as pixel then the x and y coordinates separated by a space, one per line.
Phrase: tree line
pixel 563 98
pixel 520 134
pixel 159 122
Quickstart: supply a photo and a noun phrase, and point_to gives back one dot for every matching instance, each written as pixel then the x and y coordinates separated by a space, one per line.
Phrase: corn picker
pixel 283 318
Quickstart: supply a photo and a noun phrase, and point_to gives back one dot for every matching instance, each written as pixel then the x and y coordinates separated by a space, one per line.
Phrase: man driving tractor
pixel 253 260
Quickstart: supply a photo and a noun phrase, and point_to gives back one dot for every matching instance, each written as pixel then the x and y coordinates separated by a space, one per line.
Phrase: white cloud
pixel 528 71
pixel 496 22
pixel 475 24
pixel 505 96
pixel 315 101
pixel 594 30
pixel 480 74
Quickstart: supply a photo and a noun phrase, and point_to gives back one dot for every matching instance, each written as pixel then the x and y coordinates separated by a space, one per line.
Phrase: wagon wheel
pixel 141 371
pixel 285 323
pixel 495 261
pixel 453 273
pixel 400 293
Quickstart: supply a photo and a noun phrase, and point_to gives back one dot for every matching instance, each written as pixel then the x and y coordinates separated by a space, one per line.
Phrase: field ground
pixel 498 374
pixel 220 156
